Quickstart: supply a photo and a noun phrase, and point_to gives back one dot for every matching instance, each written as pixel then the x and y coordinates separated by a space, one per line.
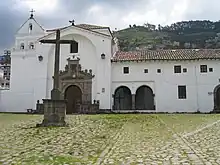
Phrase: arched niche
pixel 122 98
pixel 144 98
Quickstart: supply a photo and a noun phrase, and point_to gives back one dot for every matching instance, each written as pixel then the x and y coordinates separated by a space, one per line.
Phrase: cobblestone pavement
pixel 199 147
pixel 112 139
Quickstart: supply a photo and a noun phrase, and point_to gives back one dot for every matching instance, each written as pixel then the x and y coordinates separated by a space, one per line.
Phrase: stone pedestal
pixel 54 113
pixel 55 94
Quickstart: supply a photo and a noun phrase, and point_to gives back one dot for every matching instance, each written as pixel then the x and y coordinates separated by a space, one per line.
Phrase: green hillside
pixel 185 34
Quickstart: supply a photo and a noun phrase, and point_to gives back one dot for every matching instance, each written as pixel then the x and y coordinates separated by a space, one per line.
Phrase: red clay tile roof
pixel 87 26
pixel 178 54
pixel 84 26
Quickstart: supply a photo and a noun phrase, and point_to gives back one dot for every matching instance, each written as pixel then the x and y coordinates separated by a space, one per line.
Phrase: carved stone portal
pixel 76 88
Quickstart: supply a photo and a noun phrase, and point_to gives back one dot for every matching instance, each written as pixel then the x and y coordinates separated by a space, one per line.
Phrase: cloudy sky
pixel 114 13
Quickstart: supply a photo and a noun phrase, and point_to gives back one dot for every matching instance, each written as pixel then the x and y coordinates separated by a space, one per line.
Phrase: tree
pixel 199 34
pixel 7 59
pixel 7 56
pixel 159 27
pixel 150 27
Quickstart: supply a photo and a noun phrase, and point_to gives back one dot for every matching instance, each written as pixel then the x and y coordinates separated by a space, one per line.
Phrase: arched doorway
pixel 122 99
pixel 217 98
pixel 144 98
pixel 73 95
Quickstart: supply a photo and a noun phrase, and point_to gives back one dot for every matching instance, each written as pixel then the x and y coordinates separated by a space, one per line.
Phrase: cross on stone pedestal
pixel 55 93
pixel 55 108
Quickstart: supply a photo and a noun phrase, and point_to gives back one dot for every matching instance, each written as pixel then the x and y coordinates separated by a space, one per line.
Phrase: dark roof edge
pixel 143 60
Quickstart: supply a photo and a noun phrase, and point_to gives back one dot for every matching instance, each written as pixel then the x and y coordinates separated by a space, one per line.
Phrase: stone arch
pixel 122 98
pixel 73 96
pixel 66 86
pixel 217 97
pixel 144 98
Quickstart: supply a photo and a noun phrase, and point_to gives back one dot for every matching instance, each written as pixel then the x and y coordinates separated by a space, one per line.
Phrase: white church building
pixel 95 69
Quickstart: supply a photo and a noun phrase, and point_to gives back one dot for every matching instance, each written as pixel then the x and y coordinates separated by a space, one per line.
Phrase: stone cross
pixel 72 22
pixel 55 93
pixel 7 52
pixel 55 108
pixel 32 13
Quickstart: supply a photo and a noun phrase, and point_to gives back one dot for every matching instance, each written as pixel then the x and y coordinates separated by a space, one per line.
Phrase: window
pixel 126 70
pixel 22 46
pixel 103 90
pixel 73 67
pixel 182 92
pixel 158 70
pixel 30 27
pixel 203 68
pixel 145 70
pixel 184 70
pixel 31 46
pixel 177 69
pixel 210 69
pixel 74 47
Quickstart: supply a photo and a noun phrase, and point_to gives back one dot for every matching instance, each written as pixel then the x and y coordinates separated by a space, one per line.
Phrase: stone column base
pixel 133 101
pixel 54 113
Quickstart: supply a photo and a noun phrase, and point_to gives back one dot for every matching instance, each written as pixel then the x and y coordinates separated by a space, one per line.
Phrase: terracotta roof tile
pixel 178 54
pixel 87 26
pixel 84 26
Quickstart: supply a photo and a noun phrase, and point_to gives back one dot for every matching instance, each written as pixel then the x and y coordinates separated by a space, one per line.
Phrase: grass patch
pixel 183 123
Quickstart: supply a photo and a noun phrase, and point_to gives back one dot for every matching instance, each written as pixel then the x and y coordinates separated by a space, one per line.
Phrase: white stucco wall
pixel 28 81
pixel 165 84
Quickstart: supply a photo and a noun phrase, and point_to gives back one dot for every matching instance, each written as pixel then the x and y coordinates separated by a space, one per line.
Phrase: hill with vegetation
pixel 185 34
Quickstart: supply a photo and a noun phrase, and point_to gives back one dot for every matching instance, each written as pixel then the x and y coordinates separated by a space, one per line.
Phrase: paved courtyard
pixel 112 139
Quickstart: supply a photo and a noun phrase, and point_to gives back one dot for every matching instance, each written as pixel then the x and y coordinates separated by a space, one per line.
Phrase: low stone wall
pixel 40 108
pixel 88 108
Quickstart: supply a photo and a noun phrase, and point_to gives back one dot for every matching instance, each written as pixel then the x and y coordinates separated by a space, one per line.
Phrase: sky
pixel 113 13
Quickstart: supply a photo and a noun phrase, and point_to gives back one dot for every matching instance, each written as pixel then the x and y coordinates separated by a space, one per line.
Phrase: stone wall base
pixel 54 113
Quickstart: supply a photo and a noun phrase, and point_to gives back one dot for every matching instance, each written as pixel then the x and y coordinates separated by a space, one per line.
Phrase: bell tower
pixel 25 62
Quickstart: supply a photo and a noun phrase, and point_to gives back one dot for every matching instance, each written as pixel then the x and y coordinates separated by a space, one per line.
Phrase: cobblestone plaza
pixel 112 139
